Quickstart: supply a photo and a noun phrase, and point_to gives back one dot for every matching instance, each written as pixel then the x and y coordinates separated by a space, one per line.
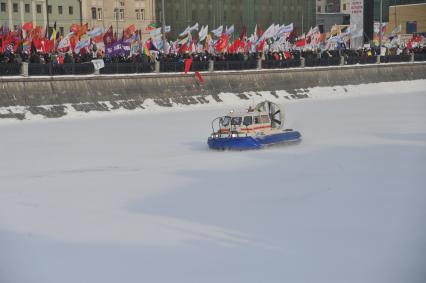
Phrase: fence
pixel 10 69
pixel 235 65
pixel 419 57
pixel 352 60
pixel 180 66
pixel 275 64
pixel 315 62
pixel 36 69
pixel 127 68
pixel 395 58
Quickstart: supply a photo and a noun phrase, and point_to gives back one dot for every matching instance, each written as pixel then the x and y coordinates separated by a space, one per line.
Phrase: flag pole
pixel 163 16
pixel 380 28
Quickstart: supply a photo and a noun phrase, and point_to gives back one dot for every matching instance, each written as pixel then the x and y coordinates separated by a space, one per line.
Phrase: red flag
pixel 27 26
pixel 199 77
pixel 75 28
pixel 188 63
pixel 127 33
pixel 222 43
pixel 301 42
pixel 109 37
pixel 259 31
pixel 261 45
pixel 182 49
pixel 243 33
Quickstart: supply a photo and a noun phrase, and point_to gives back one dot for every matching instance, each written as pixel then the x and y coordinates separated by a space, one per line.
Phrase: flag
pixel 95 32
pixel 222 43
pixel 27 26
pixel 284 29
pixel 243 33
pixel 218 32
pixel 109 37
pixel 167 29
pixel 188 63
pixel 151 26
pixel 185 32
pixel 203 33
pixel 75 28
pixel 194 27
pixel 128 32
pixel 199 77
pixel 301 42
pixel 84 42
pixel 154 33
pixel 230 30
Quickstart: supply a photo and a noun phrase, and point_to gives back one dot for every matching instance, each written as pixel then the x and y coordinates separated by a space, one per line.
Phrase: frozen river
pixel 140 198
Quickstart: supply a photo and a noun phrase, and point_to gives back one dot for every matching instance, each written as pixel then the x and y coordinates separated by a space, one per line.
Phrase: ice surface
pixel 140 198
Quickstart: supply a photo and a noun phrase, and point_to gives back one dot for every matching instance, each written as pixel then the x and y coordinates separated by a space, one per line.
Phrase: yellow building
pixel 412 18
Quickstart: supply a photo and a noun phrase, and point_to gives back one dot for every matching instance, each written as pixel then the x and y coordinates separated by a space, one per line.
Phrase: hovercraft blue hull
pixel 252 142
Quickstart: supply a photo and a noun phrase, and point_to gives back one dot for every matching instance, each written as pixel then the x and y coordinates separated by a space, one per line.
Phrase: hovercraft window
pixel 248 120
pixel 225 121
pixel 236 121
pixel 257 120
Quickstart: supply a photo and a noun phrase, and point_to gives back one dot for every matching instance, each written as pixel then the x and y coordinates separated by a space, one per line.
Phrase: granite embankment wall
pixel 86 92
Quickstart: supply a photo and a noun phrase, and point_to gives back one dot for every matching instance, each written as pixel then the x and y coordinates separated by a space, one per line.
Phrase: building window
pixel 115 14
pixel 177 14
pixel 344 7
pixel 93 13
pixel 225 16
pixel 15 7
pixel 100 14
pixel 122 3
pixel 49 9
pixel 318 9
pixel 3 7
pixel 38 8
pixel 142 14
pixel 60 10
pixel 27 8
pixel 121 17
pixel 138 14
pixel 70 10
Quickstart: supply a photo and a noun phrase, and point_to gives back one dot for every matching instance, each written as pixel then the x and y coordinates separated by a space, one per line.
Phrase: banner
pixel 118 48
pixel 357 24
pixel 98 64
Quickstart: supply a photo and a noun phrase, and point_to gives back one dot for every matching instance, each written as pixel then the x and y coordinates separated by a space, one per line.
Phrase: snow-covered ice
pixel 140 198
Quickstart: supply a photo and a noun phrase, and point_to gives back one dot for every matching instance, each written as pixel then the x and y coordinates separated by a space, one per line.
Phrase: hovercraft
pixel 252 129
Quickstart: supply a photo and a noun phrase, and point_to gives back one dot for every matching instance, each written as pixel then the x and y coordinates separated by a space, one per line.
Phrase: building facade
pixel 97 13
pixel 387 4
pixel 321 6
pixel 181 13
pixel 39 12
pixel 412 18
pixel 345 6
pixel 118 13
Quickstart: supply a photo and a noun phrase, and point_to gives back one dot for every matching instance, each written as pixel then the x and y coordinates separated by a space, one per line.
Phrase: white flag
pixel 155 32
pixel 230 30
pixel 203 33
pixel 218 32
pixel 194 27
pixel 284 29
pixel 185 32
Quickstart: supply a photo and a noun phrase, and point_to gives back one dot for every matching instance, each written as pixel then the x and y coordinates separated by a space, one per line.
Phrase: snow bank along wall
pixel 89 93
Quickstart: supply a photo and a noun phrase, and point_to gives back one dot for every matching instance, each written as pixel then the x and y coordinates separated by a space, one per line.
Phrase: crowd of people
pixel 69 58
